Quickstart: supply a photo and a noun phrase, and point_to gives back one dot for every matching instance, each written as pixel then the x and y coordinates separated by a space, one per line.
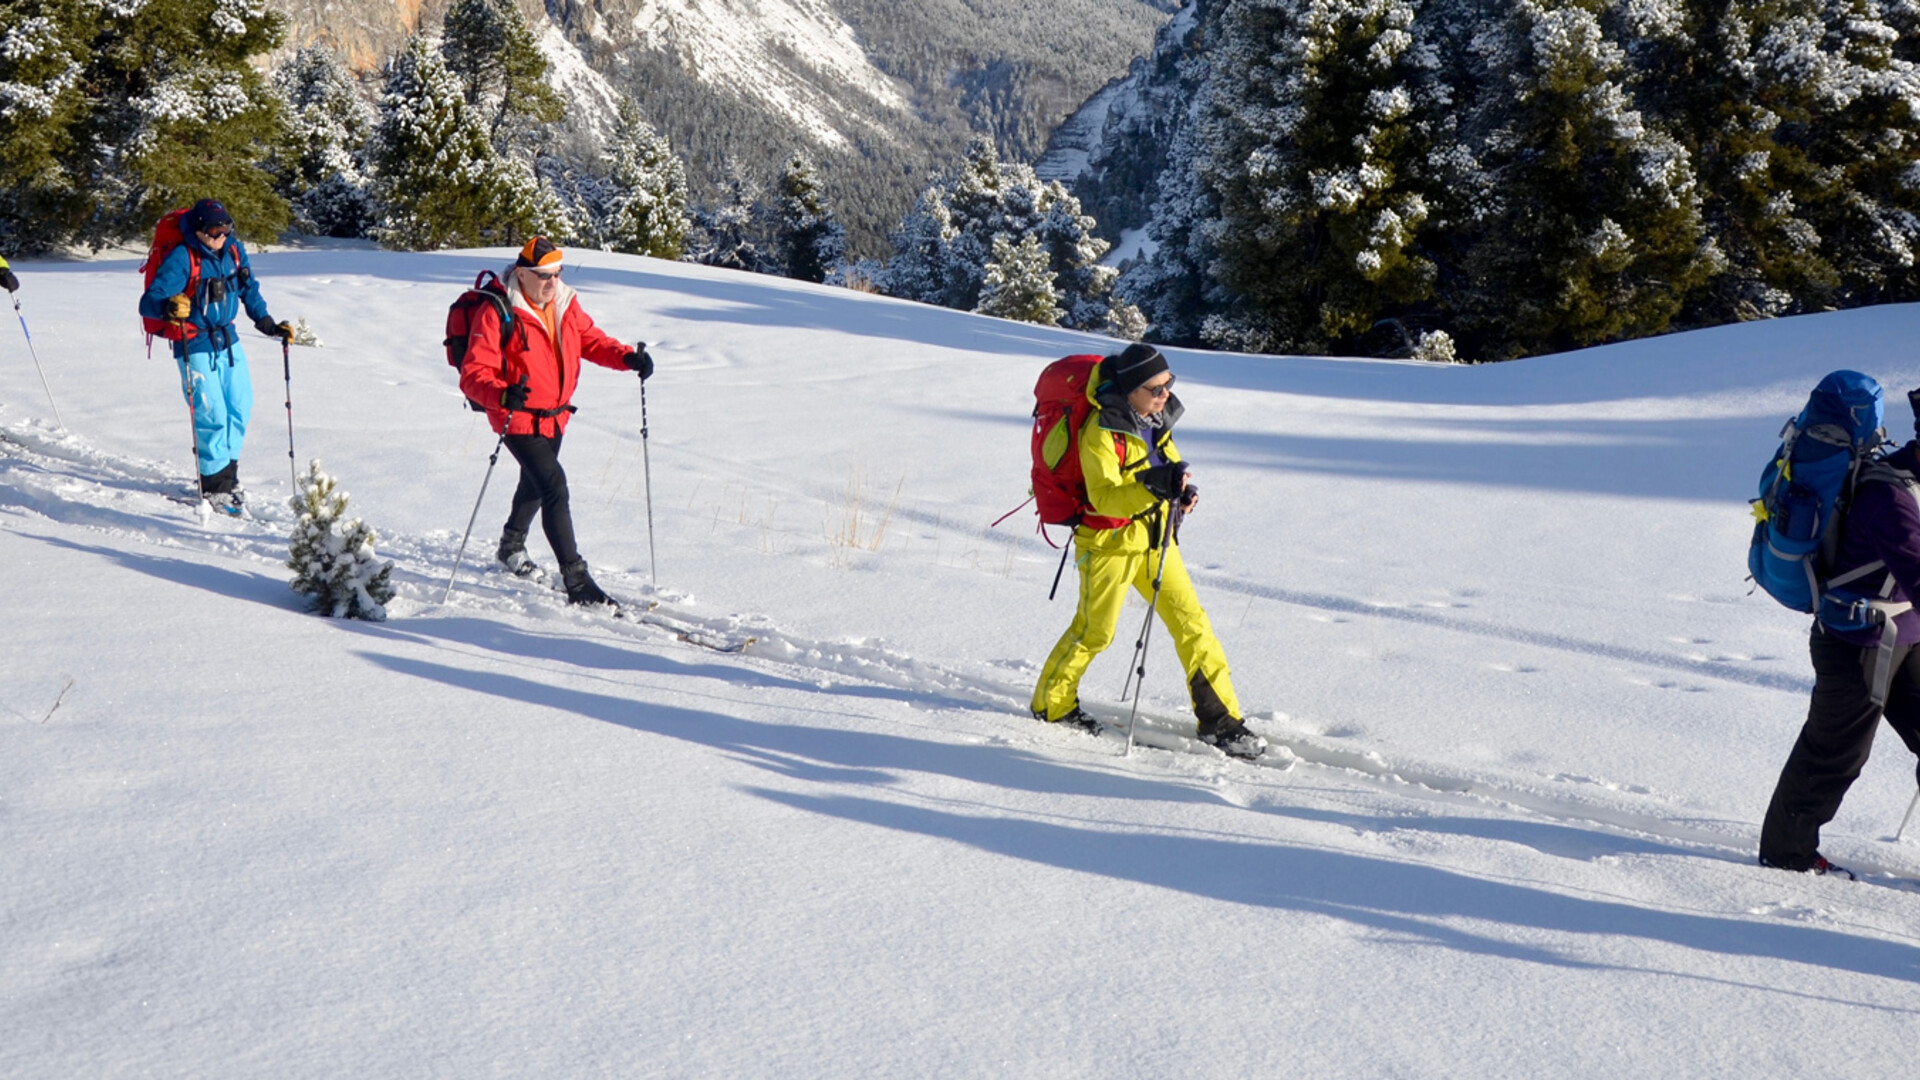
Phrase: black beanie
pixel 1131 369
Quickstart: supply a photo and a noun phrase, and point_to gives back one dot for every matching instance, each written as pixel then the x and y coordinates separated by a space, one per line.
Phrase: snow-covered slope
pixel 1497 613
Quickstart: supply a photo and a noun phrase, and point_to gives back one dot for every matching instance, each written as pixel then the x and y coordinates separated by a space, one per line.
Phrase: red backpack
pixel 487 289
pixel 168 235
pixel 1060 409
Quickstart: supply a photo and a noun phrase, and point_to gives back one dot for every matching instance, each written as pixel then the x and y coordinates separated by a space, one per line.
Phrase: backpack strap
pixel 1883 608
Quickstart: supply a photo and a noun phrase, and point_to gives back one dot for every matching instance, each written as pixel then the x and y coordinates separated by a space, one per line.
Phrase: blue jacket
pixel 1883 523
pixel 213 318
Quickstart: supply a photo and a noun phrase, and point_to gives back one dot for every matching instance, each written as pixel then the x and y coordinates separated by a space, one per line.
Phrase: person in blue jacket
pixel 213 367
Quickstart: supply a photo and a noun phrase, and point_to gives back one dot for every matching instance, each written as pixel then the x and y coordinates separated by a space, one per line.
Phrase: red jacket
pixel 551 372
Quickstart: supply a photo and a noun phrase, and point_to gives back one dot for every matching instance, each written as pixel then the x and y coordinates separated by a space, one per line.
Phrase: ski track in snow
pixel 58 477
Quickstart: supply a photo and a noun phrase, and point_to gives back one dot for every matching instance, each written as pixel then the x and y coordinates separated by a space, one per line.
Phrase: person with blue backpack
pixel 200 281
pixel 1839 537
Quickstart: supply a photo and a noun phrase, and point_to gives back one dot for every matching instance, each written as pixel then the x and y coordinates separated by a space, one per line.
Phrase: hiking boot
pixel 229 503
pixel 580 585
pixel 1817 866
pixel 512 554
pixel 1076 717
pixel 1234 738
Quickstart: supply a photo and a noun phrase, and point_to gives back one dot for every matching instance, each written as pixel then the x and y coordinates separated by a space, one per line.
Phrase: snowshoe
pixel 1077 718
pixel 1819 867
pixel 230 503
pixel 1234 739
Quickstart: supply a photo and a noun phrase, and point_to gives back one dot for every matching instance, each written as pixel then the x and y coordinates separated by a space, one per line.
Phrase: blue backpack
pixel 1804 493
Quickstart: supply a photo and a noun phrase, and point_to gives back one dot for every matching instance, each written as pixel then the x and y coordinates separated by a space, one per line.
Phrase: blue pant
pixel 219 386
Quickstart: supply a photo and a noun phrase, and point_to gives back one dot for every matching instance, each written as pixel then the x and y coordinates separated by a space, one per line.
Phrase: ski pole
pixel 646 466
pixel 286 369
pixel 1902 831
pixel 1146 627
pixel 492 459
pixel 35 353
pixel 189 380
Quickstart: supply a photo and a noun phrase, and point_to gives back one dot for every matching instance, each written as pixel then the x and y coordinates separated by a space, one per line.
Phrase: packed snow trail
pixel 60 478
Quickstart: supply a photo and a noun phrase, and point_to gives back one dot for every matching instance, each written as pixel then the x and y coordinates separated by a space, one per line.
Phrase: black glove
pixel 1164 481
pixel 514 398
pixel 266 325
pixel 639 361
pixel 1188 497
pixel 8 281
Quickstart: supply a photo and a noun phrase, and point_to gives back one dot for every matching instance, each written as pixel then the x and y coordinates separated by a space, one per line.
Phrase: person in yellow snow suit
pixel 1135 476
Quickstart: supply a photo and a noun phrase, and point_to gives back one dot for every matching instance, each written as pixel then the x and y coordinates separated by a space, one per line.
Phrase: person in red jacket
pixel 527 389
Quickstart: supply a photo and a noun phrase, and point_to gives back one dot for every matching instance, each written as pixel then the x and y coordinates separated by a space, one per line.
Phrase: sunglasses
pixel 1161 390
pixel 548 276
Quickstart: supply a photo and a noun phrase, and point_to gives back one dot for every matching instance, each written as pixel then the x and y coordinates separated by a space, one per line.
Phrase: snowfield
pixel 1526 717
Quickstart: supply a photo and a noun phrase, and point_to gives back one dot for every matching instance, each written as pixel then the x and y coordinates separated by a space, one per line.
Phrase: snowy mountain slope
pixel 880 94
pixel 1497 612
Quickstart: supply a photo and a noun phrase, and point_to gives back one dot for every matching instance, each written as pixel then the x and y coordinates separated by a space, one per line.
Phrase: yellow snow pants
pixel 1107 565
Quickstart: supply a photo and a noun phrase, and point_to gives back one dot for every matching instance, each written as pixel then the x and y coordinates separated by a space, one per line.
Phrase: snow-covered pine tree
pixel 1018 283
pixel 1322 117
pixel 733 232
pixel 944 246
pixel 1803 138
pixel 648 204
pixel 1171 283
pixel 490 49
pixel 1593 230
pixel 332 557
pixel 807 240
pixel 438 180
pixel 43 61
pixel 113 113
pixel 324 176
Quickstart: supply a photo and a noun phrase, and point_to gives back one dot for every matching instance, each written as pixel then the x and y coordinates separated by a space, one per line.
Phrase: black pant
pixel 543 487
pixel 1833 746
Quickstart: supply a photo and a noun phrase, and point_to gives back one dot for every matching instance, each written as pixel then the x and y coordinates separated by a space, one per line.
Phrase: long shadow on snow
pixel 512 643
pixel 821 755
pixel 1705 669
pixel 1735 358
pixel 1399 898
pixel 259 588
pixel 508 641
pixel 1710 460
pixel 825 755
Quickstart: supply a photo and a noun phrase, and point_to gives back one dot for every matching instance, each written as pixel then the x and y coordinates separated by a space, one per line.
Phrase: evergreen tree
pixel 113 113
pixel 439 182
pixel 1593 232
pixel 1018 283
pixel 1795 113
pixel 332 557
pixel 324 175
pixel 648 204
pixel 943 249
pixel 490 49
pixel 733 233
pixel 808 241
pixel 1322 116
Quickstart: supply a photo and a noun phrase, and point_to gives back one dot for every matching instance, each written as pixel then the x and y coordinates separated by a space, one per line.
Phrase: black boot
pixel 580 585
pixel 512 554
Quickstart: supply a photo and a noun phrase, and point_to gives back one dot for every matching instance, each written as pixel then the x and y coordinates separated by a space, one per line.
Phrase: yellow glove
pixel 179 307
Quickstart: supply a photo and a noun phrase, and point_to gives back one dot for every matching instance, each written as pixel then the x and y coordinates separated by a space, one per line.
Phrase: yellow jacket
pixel 1112 453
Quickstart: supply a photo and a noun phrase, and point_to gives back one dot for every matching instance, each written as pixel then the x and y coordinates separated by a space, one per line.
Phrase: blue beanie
pixel 207 214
